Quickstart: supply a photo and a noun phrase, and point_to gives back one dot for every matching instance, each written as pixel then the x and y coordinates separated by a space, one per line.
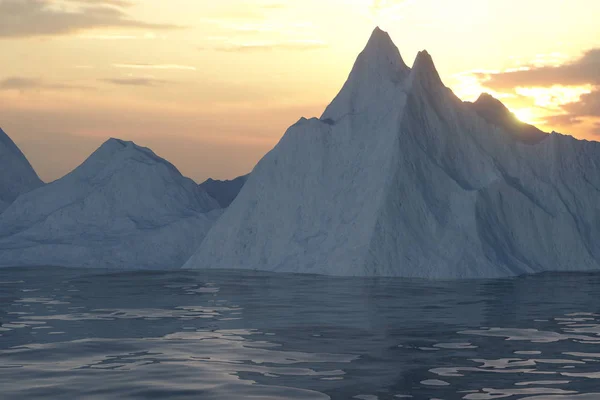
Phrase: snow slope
pixel 124 207
pixel 16 174
pixel 224 191
pixel 401 178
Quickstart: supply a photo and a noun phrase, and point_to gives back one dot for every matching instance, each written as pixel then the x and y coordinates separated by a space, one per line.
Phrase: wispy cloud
pixel 587 106
pixel 156 66
pixel 109 37
pixel 562 120
pixel 253 29
pixel 568 91
pixel 584 70
pixel 302 45
pixel 30 18
pixel 117 3
pixel 260 25
pixel 23 83
pixel 149 82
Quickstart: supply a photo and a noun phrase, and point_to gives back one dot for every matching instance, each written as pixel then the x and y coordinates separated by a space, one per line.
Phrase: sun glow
pixel 555 96
pixel 529 104
pixel 468 87
pixel 532 105
pixel 527 115
pixel 187 69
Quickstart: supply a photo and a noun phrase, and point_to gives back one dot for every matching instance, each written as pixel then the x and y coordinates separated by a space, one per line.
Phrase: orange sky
pixel 212 86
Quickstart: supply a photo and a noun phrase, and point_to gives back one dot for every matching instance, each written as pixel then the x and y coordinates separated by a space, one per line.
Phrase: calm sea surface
pixel 69 334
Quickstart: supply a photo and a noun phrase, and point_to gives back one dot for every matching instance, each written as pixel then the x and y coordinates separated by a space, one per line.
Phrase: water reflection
pixel 223 335
pixel 573 330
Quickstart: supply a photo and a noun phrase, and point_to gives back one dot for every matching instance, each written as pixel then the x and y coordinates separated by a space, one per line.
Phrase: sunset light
pixel 526 115
pixel 555 96
pixel 299 199
pixel 189 67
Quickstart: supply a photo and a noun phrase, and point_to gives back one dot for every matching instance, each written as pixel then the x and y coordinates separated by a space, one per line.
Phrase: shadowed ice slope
pixel 494 112
pixel 124 207
pixel 401 178
pixel 16 174
pixel 224 191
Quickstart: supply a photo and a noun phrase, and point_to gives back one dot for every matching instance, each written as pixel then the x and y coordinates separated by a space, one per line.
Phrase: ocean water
pixel 69 334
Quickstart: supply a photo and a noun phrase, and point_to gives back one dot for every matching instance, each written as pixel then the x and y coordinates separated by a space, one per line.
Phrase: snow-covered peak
pixel 119 180
pixel 496 113
pixel 404 179
pixel 381 54
pixel 115 154
pixel 378 69
pixel 425 73
pixel 424 65
pixel 123 207
pixel 16 174
pixel 492 109
pixel 489 101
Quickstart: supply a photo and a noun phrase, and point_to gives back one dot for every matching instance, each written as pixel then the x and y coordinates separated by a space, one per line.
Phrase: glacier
pixel 401 178
pixel 16 174
pixel 123 208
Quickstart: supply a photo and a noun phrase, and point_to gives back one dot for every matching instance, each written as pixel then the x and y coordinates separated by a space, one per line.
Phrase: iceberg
pixel 16 174
pixel 399 177
pixel 123 208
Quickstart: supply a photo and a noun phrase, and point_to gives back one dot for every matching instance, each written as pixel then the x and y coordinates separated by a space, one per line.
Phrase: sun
pixel 526 115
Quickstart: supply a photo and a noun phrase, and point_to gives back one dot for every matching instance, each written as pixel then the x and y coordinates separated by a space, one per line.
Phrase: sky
pixel 212 85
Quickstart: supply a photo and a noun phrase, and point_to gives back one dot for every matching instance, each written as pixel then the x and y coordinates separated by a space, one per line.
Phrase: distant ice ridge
pixel 224 191
pixel 16 174
pixel 401 178
pixel 124 207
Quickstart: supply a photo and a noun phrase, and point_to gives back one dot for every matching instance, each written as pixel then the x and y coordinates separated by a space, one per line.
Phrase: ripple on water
pixel 222 356
pixel 217 335
pixel 581 365
pixel 434 382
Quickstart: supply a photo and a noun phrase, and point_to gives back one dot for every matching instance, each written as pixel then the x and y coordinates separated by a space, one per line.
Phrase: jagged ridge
pixel 401 178
pixel 224 191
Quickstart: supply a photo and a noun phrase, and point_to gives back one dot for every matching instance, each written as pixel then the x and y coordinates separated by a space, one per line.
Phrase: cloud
pixel 19 83
pixel 22 83
pixel 110 37
pixel 156 66
pixel 149 82
pixel 248 30
pixel 261 26
pixel 597 128
pixel 562 120
pixel 576 112
pixel 588 106
pixel 554 85
pixel 302 45
pixel 584 70
pixel 31 18
pixel 117 3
